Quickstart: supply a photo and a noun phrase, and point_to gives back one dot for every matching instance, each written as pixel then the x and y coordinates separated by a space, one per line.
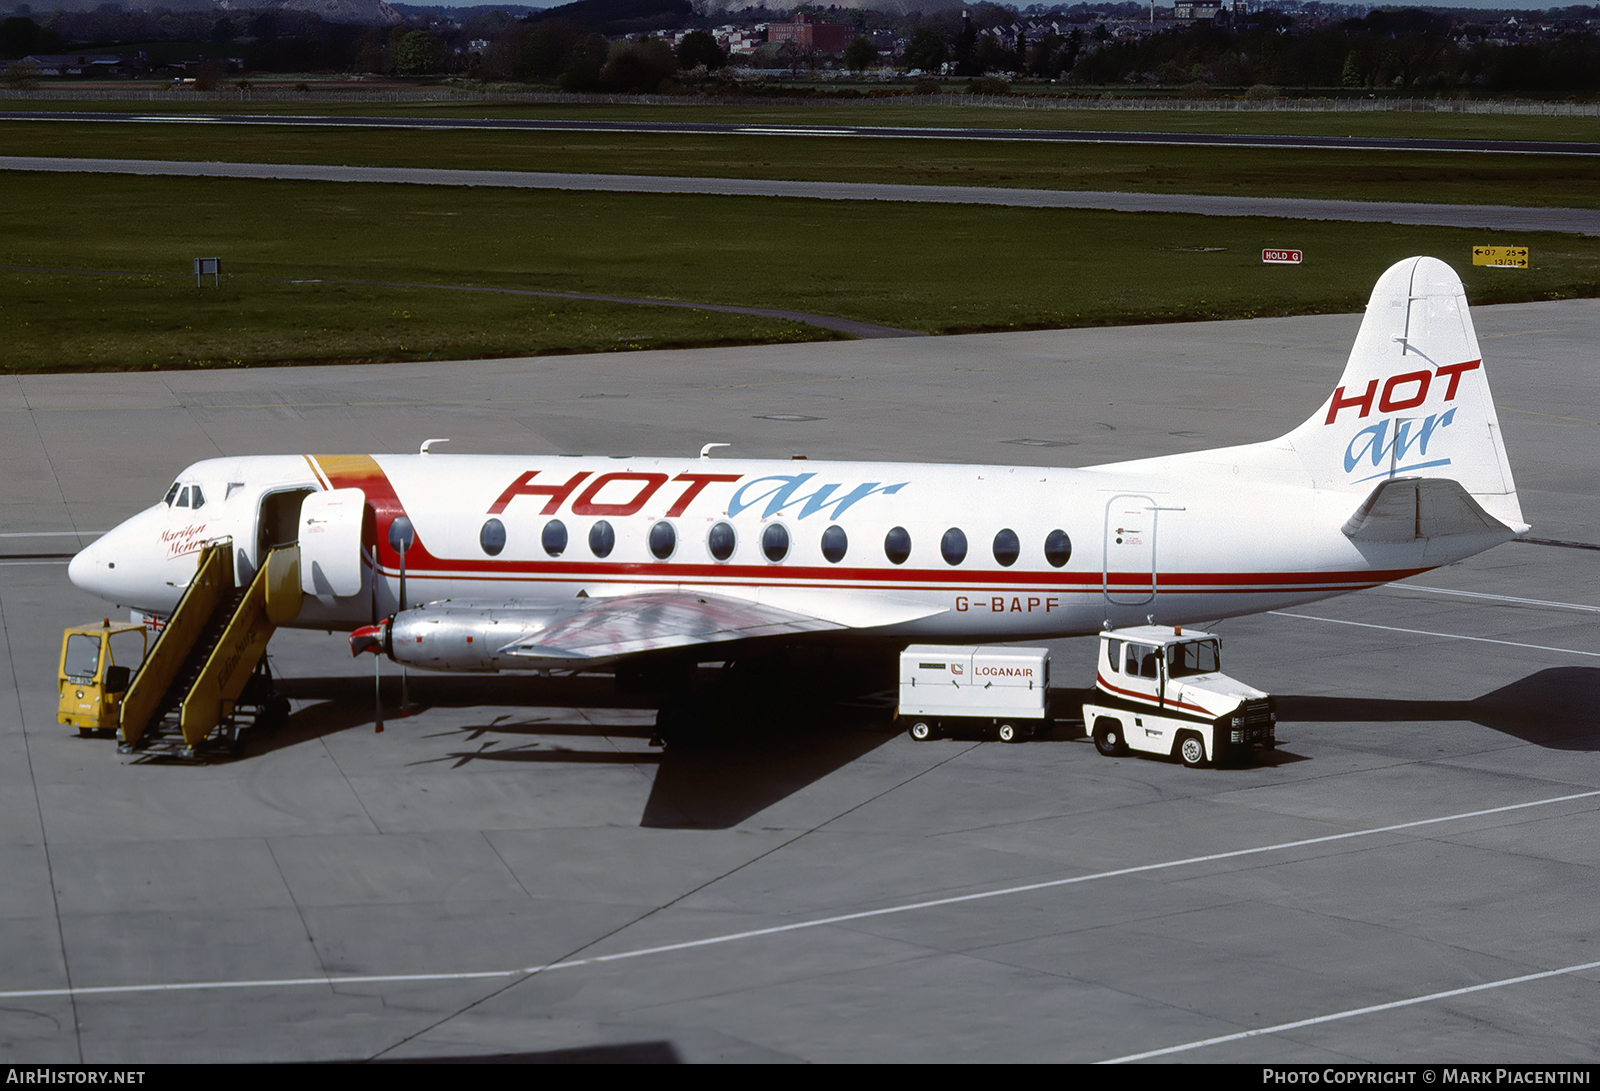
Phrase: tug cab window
pixel 1195 657
pixel 1141 661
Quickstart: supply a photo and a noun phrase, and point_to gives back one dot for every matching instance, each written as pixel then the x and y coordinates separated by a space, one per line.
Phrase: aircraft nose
pixel 92 570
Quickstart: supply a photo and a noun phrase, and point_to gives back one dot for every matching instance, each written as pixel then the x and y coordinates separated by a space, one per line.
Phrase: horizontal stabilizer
pixel 1408 509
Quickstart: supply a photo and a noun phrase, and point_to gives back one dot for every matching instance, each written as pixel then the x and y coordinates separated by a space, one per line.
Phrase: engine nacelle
pixel 442 636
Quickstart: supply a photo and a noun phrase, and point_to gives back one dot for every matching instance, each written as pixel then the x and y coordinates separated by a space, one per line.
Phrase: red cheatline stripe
pixel 1100 681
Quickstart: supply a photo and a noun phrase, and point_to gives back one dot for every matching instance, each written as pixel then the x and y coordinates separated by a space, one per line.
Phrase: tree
pixel 20 36
pixel 418 54
pixel 588 56
pixel 697 48
pixel 860 54
pixel 926 50
pixel 638 67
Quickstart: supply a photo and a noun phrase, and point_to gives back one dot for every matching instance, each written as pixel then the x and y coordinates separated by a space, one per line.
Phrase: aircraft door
pixel 330 543
pixel 1129 575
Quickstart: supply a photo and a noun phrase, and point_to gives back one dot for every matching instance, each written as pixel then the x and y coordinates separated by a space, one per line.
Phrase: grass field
pixel 935 268
pixel 1543 180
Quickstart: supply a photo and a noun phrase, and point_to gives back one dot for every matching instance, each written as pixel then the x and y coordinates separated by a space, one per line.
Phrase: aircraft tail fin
pixel 1414 399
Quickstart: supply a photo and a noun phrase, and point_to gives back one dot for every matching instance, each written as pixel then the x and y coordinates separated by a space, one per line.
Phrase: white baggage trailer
pixel 951 688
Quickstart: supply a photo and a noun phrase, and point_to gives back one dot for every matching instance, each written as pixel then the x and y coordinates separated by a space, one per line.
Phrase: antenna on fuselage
pixel 430 442
pixel 705 452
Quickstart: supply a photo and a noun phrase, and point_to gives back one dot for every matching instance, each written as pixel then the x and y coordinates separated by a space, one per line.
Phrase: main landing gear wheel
pixel 1108 739
pixel 1192 751
pixel 1008 733
pixel 920 730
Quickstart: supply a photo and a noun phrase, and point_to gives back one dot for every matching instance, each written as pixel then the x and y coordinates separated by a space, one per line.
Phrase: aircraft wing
pixel 607 628
pixel 589 632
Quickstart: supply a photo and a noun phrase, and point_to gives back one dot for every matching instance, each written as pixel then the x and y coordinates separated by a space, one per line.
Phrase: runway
pixel 512 872
pixel 877 132
pixel 1489 217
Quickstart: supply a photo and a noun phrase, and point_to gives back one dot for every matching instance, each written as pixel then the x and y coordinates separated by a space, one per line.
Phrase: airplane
pixel 499 563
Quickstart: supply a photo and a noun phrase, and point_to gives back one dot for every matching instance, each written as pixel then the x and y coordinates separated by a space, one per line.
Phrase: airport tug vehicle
pixel 946 689
pixel 1160 690
pixel 97 663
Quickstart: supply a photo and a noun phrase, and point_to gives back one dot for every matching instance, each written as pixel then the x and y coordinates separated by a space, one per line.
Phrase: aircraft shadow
pixel 759 756
pixel 1554 708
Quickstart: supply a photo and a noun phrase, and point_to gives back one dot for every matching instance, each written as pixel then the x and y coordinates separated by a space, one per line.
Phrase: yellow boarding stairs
pixel 206 678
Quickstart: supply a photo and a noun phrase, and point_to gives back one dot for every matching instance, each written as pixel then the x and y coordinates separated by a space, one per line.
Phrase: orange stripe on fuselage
pixel 355 472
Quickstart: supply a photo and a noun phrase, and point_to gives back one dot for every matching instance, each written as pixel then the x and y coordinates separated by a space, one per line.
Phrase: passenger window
pixel 953 546
pixel 721 541
pixel 775 542
pixel 1057 548
pixel 897 545
pixel 602 539
pixel 834 544
pixel 554 538
pixel 1007 548
pixel 492 537
pixel 663 540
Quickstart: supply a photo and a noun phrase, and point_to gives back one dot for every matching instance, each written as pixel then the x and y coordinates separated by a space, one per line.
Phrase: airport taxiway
pixel 1585 221
pixel 881 132
pixel 1410 878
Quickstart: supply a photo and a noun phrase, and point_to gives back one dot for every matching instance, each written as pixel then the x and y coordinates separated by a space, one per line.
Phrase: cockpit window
pixel 172 494
pixel 183 498
pixel 197 498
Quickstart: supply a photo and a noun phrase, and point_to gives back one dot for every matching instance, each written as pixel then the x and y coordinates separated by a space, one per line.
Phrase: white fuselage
pixel 1182 538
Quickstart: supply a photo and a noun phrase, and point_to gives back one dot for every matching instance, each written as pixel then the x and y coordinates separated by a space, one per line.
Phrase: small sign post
pixel 1504 257
pixel 1281 257
pixel 211 267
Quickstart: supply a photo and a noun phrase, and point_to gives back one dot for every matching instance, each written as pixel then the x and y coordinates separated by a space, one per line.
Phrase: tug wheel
pixel 1108 738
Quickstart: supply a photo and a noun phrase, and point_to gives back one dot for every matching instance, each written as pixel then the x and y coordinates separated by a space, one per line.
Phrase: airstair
pixel 207 678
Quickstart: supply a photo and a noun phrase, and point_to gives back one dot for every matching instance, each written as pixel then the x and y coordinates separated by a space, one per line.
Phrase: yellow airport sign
pixel 1512 257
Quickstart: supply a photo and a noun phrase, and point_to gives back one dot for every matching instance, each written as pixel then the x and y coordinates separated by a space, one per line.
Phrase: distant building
pixel 77 64
pixel 1208 9
pixel 812 36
